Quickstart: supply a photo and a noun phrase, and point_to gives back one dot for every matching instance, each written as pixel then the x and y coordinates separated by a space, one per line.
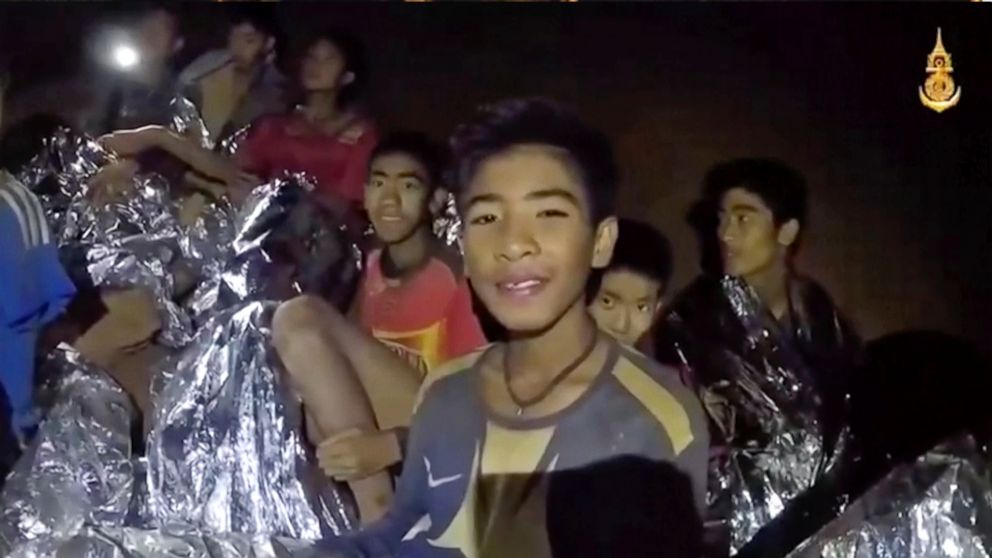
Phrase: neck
pixel 545 353
pixel 322 105
pixel 246 71
pixel 410 252
pixel 772 286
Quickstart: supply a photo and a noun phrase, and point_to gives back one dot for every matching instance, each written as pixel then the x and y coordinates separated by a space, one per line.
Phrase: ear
pixel 270 46
pixel 178 45
pixel 659 307
pixel 438 201
pixel 788 233
pixel 347 78
pixel 606 238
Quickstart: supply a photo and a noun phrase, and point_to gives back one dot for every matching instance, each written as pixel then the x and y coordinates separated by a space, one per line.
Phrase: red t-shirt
pixel 426 317
pixel 340 164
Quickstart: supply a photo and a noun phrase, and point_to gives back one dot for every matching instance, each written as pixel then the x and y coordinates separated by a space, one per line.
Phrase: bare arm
pixel 202 160
pixel 127 143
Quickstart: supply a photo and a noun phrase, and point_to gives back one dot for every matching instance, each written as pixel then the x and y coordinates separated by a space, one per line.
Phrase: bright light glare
pixel 125 56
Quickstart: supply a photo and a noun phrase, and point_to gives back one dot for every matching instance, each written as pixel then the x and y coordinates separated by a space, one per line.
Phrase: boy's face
pixel 626 304
pixel 529 242
pixel 158 36
pixel 750 241
pixel 397 196
pixel 247 44
pixel 323 68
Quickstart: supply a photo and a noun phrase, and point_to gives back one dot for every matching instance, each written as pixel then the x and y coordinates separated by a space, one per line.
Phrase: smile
pixel 522 288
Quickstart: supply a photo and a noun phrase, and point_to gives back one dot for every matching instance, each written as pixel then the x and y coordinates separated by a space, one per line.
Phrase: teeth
pixel 524 285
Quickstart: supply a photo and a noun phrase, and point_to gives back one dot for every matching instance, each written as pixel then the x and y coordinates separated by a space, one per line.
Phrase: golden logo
pixel 939 91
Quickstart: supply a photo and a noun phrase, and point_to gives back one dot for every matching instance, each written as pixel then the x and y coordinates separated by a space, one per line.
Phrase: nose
pixel 518 240
pixel 621 322
pixel 390 195
pixel 725 232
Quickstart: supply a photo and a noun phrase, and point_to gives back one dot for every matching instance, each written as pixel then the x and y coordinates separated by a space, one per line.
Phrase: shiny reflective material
pixel 768 402
pixel 225 453
pixel 938 507
pixel 78 468
pixel 227 467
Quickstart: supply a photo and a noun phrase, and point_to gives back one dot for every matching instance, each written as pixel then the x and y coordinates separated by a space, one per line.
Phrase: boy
pixel 233 87
pixel 145 98
pixel 764 343
pixel 536 190
pixel 628 292
pixel 414 312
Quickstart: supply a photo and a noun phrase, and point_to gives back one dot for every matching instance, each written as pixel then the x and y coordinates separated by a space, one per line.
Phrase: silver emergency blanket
pixel 133 240
pixel 220 396
pixel 447 226
pixel 77 471
pixel 126 542
pixel 760 389
pixel 938 507
pixel 225 453
pixel 186 121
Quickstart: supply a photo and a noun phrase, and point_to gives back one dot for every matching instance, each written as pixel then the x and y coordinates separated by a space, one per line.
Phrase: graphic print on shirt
pixel 418 348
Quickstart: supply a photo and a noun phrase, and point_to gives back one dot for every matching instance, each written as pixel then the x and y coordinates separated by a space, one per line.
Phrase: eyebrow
pixel 559 193
pixel 408 174
pixel 747 208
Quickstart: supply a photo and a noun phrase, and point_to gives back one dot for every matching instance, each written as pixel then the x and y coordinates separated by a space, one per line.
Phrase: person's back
pixel 34 290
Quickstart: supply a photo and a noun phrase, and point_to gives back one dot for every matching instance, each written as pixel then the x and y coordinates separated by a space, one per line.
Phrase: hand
pixel 112 181
pixel 357 454
pixel 127 143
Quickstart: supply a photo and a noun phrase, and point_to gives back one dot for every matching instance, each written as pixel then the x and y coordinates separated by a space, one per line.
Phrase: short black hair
pixel 260 16
pixel 781 187
pixel 505 124
pixel 172 9
pixel 626 506
pixel 355 61
pixel 640 248
pixel 429 153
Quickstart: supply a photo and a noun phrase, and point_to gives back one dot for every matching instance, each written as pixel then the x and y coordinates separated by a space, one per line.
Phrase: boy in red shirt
pixel 414 307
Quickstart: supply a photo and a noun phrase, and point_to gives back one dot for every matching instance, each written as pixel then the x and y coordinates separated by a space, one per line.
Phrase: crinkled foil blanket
pixel 763 402
pixel 226 472
pixel 938 507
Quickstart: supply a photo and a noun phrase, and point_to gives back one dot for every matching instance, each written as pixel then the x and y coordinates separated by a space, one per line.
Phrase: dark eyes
pixel 552 213
pixel 483 220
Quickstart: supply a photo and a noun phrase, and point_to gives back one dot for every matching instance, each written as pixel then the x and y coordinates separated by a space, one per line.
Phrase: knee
pixel 295 319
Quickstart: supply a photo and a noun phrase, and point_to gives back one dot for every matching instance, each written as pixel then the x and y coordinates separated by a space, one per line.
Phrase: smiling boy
pixel 536 189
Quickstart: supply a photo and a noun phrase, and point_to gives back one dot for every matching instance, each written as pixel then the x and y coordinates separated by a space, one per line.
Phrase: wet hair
pixel 781 187
pixel 626 506
pixel 640 248
pixel 429 153
pixel 509 123
pixel 353 52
